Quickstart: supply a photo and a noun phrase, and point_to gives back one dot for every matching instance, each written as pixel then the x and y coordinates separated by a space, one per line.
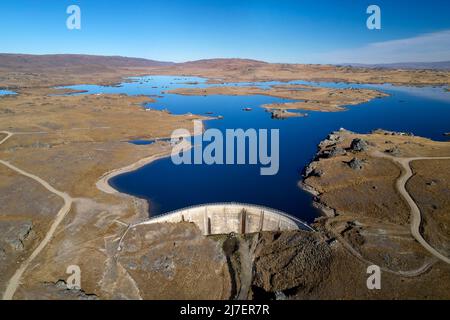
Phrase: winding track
pixel 14 282
pixel 8 135
pixel 409 273
pixel 415 211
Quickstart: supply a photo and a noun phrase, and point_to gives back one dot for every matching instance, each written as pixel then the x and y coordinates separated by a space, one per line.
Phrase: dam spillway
pixel 225 218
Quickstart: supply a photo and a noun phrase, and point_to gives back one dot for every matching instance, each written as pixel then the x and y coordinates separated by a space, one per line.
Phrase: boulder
pixel 317 173
pixel 359 145
pixel 333 152
pixel 18 234
pixel 284 114
pixel 312 171
pixel 332 139
pixel 356 164
pixel 395 151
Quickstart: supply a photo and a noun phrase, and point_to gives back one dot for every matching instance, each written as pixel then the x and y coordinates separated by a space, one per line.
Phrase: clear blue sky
pixel 317 31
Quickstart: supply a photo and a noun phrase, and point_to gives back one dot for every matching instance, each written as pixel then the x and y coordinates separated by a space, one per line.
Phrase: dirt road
pixel 416 218
pixel 14 282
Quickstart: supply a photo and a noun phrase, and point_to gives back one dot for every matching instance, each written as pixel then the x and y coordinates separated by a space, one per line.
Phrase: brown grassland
pixel 70 141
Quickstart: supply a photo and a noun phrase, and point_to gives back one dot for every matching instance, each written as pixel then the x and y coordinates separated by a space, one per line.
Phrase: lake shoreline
pixel 103 184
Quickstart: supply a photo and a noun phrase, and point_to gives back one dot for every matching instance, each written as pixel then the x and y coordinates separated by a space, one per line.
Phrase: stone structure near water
pixel 225 218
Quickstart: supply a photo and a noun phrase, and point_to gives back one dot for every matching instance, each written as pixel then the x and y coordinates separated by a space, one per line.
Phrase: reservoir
pixel 422 111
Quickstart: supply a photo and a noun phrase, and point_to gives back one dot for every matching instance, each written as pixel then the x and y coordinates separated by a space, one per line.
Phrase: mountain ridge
pixel 21 61
pixel 439 65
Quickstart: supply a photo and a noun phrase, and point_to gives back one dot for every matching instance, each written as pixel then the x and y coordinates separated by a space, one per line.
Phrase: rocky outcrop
pixel 290 260
pixel 356 164
pixel 332 152
pixel 359 145
pixel 16 234
pixel 392 133
pixel 78 294
pixel 284 114
pixel 312 171
pixel 57 291
pixel 332 139
pixel 395 151
pixel 328 148
pixel 316 173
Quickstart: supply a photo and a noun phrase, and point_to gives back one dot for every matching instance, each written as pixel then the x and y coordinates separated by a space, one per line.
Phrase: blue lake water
pixel 422 111
pixel 6 92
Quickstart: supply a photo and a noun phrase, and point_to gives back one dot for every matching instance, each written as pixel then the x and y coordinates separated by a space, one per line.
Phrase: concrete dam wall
pixel 225 218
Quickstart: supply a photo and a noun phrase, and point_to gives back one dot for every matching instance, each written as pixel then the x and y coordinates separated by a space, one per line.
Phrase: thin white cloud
pixel 430 47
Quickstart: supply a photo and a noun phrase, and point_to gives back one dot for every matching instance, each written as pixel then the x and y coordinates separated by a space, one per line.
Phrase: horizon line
pixel 219 58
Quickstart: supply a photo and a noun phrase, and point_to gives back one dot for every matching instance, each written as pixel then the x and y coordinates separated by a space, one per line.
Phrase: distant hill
pixel 224 60
pixel 20 62
pixel 29 62
pixel 215 63
pixel 442 65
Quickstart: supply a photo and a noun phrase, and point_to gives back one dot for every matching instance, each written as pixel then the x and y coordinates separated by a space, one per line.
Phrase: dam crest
pixel 225 218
